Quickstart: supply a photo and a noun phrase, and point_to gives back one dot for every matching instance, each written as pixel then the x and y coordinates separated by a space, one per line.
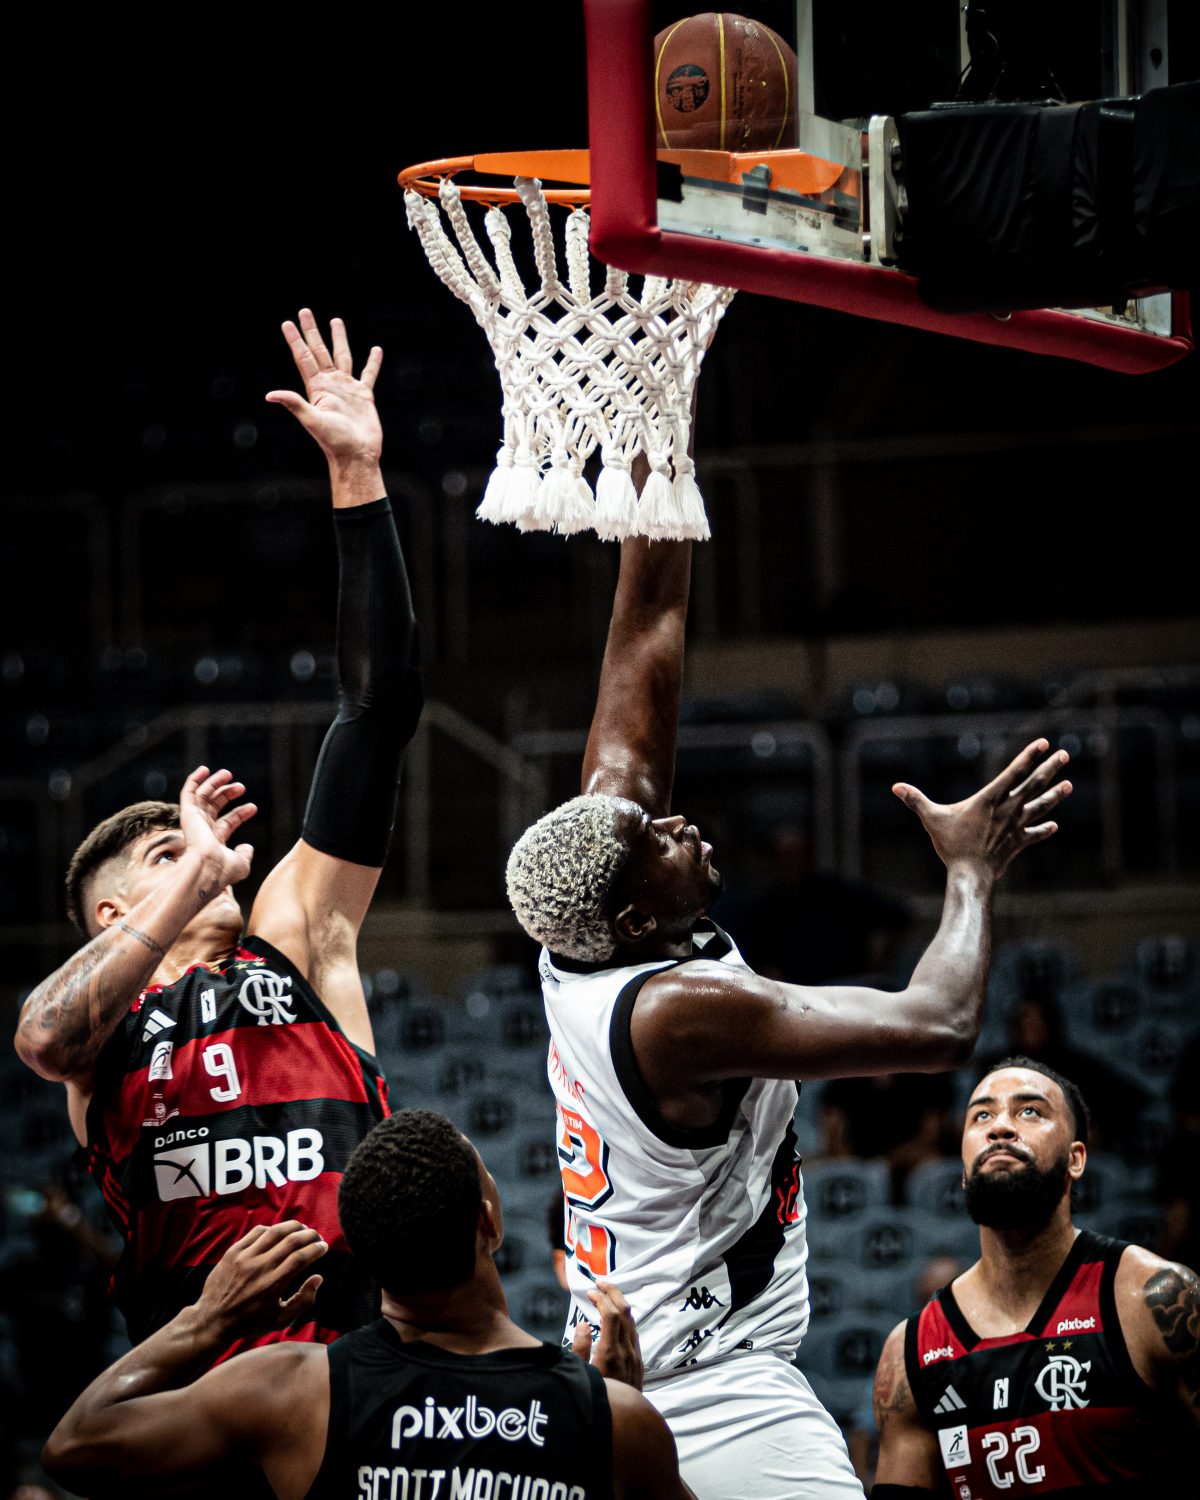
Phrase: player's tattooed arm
pixel 69 1017
pixel 908 1450
pixel 1172 1296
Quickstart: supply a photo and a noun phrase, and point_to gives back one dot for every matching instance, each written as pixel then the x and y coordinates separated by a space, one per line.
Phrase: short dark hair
pixel 409 1203
pixel 1082 1122
pixel 107 840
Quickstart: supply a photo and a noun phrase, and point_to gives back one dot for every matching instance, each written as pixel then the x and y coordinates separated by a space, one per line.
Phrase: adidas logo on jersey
pixel 156 1021
pixel 469 1421
pixel 203 1168
pixel 946 1352
pixel 951 1401
pixel 1075 1325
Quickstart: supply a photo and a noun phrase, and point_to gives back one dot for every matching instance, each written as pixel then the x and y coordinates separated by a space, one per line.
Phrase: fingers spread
pixel 341 346
pixel 1042 776
pixel 371 369
pixel 301 353
pixel 1041 832
pixel 312 337
pixel 1042 805
pixel 1018 769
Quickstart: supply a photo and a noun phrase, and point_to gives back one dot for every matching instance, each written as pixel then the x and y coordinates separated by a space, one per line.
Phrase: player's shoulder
pixel 1158 1307
pixel 892 1395
pixel 640 1433
pixel 277 1377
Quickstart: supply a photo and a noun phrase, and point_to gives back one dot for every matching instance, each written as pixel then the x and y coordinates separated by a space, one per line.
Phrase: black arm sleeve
pixel 352 804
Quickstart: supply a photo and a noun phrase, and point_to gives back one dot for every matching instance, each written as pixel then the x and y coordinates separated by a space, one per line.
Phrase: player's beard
pixel 1020 1198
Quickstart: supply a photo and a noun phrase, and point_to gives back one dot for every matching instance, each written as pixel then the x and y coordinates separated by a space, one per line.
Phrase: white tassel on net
pixel 521 491
pixel 557 502
pixel 690 501
pixel 659 515
pixel 616 500
pixel 491 507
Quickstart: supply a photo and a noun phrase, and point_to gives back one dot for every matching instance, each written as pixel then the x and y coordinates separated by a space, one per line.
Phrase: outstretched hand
pixel 340 408
pixel 251 1285
pixel 1010 813
pixel 208 822
pixel 617 1353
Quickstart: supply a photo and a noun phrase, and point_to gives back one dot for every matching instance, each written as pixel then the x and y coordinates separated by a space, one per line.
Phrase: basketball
pixel 724 83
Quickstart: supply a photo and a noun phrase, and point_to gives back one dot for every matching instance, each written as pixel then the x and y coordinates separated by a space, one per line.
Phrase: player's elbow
pixel 46 1059
pixel 944 1029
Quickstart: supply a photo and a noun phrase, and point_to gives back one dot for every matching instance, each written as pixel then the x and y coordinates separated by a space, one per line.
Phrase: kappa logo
pixel 156 1021
pixel 264 995
pixel 945 1352
pixel 471 1420
pixel 700 1299
pixel 1063 1381
pixel 187 1165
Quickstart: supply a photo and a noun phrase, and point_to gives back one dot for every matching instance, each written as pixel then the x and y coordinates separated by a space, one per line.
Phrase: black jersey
pixel 412 1420
pixel 228 1099
pixel 1055 1409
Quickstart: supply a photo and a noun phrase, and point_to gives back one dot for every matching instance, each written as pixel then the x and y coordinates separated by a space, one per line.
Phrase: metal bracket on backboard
pixel 884 199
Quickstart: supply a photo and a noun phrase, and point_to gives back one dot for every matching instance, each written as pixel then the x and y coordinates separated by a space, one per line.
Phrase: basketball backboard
pixel 816 223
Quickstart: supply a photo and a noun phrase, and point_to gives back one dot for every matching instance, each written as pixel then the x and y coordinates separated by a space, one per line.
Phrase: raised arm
pixel 156 1415
pixel 909 1460
pixel 631 748
pixel 705 1023
pixel 66 1021
pixel 313 903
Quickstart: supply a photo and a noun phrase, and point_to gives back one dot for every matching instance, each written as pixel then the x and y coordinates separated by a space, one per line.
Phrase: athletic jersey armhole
pixel 912 1362
pixel 259 946
pixel 340 1402
pixel 645 1106
pixel 602 1425
pixel 1111 1319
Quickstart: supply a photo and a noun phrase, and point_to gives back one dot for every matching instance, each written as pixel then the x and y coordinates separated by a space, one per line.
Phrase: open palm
pixel 340 408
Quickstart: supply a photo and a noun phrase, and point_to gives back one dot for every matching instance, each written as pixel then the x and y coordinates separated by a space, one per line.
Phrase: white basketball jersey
pixel 703 1230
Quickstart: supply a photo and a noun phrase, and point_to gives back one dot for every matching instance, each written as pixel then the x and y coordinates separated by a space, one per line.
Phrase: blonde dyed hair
pixel 561 872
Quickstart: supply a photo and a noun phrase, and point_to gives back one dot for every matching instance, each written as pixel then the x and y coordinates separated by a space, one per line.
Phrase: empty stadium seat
pixel 935 1188
pixel 837 1187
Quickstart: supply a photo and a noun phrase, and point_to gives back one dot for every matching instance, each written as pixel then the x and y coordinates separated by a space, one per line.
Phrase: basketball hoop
pixel 580 370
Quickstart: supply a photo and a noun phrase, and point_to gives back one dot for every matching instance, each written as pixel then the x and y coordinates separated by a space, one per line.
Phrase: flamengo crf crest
pixel 264 995
pixel 1063 1382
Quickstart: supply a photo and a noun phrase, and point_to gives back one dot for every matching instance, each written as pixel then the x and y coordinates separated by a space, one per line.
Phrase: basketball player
pixel 219 1082
pixel 673 1064
pixel 444 1398
pixel 1063 1362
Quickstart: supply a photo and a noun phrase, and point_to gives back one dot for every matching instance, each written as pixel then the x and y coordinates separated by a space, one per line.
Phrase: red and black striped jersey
pixel 1055 1409
pixel 228 1099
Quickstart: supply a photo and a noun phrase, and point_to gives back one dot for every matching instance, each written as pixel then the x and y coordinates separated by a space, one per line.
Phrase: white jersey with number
pixel 702 1229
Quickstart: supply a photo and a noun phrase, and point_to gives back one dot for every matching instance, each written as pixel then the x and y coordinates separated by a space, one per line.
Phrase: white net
pixel 580 371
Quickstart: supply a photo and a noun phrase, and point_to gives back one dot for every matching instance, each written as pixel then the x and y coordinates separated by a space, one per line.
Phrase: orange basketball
pixel 724 83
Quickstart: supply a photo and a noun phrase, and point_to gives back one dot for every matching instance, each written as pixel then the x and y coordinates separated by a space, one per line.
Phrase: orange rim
pixel 561 166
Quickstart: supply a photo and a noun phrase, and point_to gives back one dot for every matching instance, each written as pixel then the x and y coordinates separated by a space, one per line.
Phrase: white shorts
pixel 748 1427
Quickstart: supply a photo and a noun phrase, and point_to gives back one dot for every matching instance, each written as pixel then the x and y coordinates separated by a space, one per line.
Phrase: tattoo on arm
pixel 893 1397
pixel 1173 1297
pixel 142 938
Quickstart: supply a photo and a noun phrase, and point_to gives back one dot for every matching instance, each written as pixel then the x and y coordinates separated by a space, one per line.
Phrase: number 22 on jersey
pixel 583 1160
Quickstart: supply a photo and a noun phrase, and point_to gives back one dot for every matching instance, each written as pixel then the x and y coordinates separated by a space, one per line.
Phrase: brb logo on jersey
pixel 1063 1382
pixel 469 1421
pixel 264 995
pixel 203 1168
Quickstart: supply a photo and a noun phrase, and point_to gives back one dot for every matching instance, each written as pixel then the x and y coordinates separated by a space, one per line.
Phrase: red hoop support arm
pixel 625 232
